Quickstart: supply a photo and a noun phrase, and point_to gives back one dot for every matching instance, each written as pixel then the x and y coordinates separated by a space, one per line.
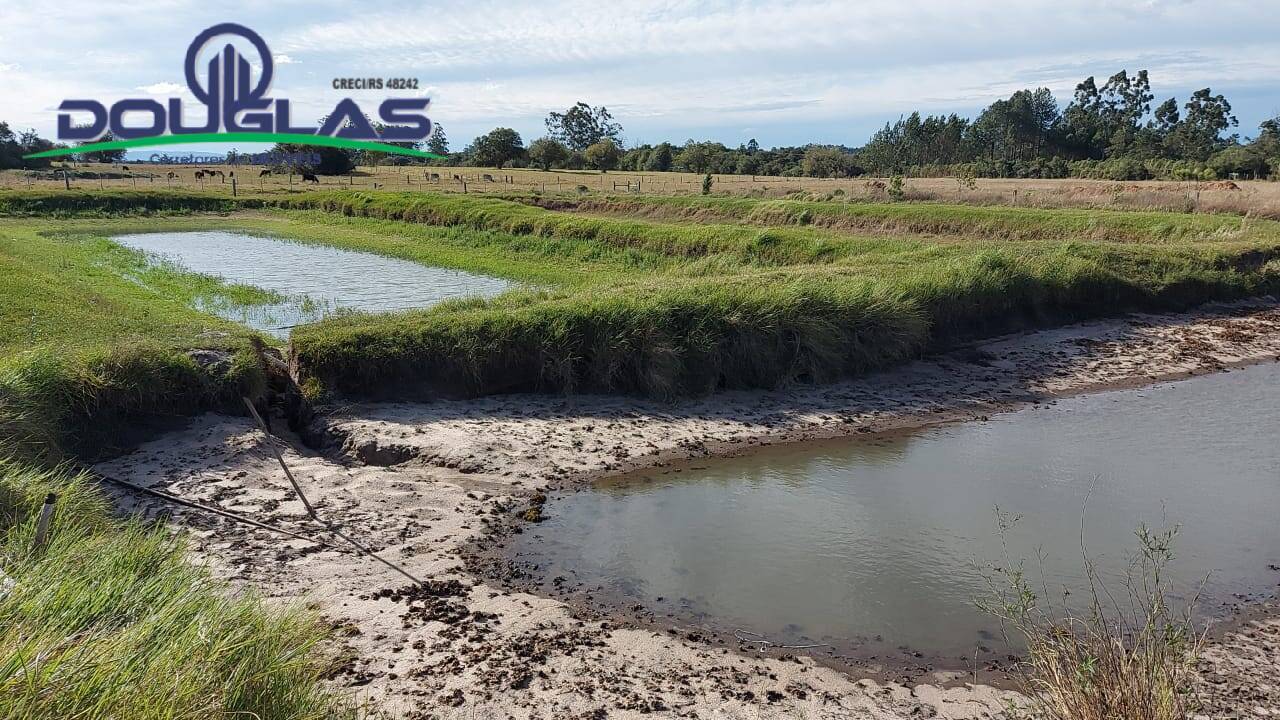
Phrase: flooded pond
pixel 313 279
pixel 872 545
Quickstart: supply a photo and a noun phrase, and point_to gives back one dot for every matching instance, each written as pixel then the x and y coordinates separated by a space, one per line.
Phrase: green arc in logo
pixel 295 138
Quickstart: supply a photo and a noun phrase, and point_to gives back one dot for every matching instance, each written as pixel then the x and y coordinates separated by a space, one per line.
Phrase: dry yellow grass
pixel 1255 198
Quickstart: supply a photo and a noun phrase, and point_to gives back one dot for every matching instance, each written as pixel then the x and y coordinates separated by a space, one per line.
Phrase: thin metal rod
pixel 280 458
pixel 211 509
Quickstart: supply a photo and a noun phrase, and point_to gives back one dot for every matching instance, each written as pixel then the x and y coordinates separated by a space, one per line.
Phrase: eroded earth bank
pixel 428 486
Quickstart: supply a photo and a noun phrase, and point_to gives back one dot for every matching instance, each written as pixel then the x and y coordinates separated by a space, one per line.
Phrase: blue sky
pixel 781 72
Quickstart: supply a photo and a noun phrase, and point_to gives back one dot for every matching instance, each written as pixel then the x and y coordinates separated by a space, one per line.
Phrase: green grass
pixel 72 203
pixel 111 620
pixel 675 308
pixel 969 221
pixel 93 339
pixel 688 309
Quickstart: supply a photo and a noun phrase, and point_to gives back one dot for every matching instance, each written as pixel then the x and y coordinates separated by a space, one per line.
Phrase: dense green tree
pixel 1199 134
pixel 1240 161
pixel 603 155
pixel 827 162
pixel 10 149
pixel 660 158
pixel 547 153
pixel 497 148
pixel 30 143
pixel 102 156
pixel 582 126
pixel 437 141
pixel 698 157
pixel 1016 129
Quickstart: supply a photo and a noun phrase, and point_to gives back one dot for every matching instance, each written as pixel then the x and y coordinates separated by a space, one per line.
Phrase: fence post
pixel 66 178
pixel 42 525
pixel 233 187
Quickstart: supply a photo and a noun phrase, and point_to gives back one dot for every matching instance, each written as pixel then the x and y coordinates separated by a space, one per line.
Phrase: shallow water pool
pixel 315 280
pixel 873 545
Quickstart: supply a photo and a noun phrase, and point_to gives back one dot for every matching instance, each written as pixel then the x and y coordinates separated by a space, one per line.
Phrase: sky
pixel 784 73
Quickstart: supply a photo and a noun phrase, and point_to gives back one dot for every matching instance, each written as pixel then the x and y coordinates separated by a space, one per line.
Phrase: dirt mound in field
pixel 1222 185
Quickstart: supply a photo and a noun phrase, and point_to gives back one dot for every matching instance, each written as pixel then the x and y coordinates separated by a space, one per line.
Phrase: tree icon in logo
pixel 229 73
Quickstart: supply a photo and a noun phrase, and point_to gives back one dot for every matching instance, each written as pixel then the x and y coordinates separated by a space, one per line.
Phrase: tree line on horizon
pixel 1108 131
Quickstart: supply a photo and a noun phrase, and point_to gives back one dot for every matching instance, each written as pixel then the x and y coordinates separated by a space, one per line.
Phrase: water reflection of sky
pixel 855 539
pixel 316 280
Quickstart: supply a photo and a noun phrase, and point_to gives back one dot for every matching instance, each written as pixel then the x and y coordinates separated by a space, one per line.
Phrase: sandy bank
pixel 444 474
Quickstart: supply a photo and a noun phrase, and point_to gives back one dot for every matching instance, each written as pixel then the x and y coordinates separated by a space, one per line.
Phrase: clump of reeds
pixel 1129 653
pixel 109 619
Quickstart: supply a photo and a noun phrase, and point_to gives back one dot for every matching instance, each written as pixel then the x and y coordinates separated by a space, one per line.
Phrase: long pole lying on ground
pixel 280 459
pixel 262 425
pixel 210 509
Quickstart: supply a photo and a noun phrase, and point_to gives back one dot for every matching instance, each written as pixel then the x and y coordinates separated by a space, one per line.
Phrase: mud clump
pixel 373 452
pixel 533 513
pixel 433 600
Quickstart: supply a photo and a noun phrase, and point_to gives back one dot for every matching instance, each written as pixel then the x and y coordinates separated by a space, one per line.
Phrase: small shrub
pixel 895 190
pixel 706 184
pixel 1127 655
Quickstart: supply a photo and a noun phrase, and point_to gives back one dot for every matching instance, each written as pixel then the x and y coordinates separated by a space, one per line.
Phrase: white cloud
pixel 791 70
pixel 162 88
pixel 8 67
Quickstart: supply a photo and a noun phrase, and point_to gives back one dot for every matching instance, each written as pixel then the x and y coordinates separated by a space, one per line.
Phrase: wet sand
pixel 425 485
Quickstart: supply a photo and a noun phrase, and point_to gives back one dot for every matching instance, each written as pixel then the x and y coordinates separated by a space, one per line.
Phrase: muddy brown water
pixel 315 280
pixel 874 545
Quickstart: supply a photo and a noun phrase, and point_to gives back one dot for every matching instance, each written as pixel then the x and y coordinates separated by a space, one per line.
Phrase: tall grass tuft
pixel 1128 654
pixel 57 401
pixel 677 337
pixel 111 620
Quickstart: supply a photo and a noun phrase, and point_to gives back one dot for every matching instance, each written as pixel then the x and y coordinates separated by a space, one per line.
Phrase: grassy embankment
pixel 973 221
pixel 92 335
pixel 637 305
pixel 110 619
pixel 709 306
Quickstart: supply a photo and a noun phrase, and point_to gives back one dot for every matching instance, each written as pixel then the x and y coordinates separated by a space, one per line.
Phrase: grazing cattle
pixel 435 177
pixel 310 177
pixel 172 175
pixel 219 173
pixel 264 173
pixel 874 185
pixel 126 168
pixel 457 176
pixel 200 174
pixel 488 178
